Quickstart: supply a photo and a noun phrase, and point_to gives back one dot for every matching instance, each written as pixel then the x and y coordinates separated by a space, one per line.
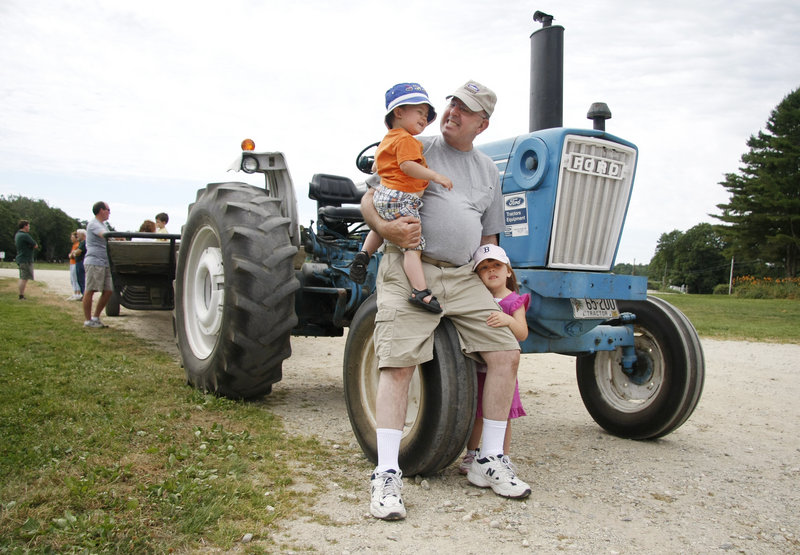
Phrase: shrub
pixel 749 287
pixel 721 289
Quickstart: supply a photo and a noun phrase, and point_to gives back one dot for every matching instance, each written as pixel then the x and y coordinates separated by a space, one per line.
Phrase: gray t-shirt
pixel 454 221
pixel 96 254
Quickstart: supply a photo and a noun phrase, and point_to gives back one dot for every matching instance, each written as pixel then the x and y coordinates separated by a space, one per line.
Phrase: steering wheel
pixel 363 161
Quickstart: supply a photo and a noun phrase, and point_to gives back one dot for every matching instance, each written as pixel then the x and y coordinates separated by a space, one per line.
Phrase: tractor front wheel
pixel 662 389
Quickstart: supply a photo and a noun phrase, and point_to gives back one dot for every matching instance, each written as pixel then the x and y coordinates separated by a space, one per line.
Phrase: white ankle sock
pixel 494 432
pixel 389 448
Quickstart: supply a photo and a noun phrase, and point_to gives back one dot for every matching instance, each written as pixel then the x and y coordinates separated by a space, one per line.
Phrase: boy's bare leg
pixel 372 242
pixel 412 266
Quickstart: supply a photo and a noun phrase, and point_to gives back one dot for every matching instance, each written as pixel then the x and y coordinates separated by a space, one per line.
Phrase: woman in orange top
pixel 73 269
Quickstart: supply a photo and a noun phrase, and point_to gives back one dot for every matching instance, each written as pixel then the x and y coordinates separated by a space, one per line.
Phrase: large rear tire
pixel 234 291
pixel 666 382
pixel 441 402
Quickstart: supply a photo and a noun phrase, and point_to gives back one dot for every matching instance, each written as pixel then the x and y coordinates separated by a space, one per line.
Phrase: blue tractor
pixel 248 277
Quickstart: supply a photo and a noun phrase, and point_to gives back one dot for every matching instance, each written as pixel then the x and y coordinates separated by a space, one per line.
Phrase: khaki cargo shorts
pixel 404 333
pixel 98 278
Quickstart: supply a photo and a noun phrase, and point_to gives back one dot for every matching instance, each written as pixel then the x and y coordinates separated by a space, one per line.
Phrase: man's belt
pixel 425 258
pixel 438 263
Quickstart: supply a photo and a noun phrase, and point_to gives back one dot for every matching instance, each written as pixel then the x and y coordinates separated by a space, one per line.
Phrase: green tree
pixel 663 260
pixel 626 269
pixel 763 214
pixel 8 225
pixel 694 258
pixel 50 227
pixel 699 259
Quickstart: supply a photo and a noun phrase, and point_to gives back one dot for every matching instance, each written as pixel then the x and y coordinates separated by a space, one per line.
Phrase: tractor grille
pixel 594 186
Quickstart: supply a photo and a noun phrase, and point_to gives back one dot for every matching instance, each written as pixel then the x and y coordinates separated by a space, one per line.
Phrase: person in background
pixel 26 246
pixel 73 269
pixel 148 226
pixel 80 253
pixel 161 223
pixel 98 271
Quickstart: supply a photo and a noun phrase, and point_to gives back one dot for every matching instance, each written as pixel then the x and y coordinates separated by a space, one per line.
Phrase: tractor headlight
pixel 249 164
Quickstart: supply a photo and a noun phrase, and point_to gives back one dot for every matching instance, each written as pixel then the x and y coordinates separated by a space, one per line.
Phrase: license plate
pixel 594 309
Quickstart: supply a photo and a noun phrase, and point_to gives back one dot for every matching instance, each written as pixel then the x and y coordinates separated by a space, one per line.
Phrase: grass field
pixel 724 317
pixel 103 447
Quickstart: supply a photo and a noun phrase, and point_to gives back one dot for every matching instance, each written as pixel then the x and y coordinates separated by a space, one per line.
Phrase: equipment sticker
pixel 516 214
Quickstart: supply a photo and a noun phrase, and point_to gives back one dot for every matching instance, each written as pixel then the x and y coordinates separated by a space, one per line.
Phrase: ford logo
pixel 516 201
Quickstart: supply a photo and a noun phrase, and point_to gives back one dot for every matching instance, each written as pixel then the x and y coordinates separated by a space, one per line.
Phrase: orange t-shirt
pixel 399 146
pixel 74 246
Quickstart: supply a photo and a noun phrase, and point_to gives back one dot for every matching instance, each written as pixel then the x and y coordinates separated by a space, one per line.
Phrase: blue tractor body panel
pixel 566 193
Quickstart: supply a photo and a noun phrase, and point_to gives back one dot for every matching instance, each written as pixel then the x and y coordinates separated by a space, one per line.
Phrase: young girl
pixel 493 267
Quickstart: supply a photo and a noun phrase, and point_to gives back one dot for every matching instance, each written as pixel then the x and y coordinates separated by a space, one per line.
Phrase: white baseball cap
pixel 489 251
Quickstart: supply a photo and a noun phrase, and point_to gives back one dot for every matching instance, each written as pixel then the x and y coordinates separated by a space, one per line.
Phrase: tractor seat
pixel 330 192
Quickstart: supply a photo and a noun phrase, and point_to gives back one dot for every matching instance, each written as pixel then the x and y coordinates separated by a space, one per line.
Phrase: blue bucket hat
pixel 407 93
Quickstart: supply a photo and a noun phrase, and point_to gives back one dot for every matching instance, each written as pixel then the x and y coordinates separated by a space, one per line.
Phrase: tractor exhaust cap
pixel 599 113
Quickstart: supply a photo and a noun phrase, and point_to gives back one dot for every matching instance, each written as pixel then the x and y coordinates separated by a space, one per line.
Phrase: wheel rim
pixel 631 391
pixel 368 388
pixel 204 292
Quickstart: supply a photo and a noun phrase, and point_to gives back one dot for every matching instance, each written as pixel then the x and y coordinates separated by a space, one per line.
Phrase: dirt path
pixel 727 481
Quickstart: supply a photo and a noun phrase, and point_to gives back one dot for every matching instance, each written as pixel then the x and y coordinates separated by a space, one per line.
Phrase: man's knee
pixel 397 374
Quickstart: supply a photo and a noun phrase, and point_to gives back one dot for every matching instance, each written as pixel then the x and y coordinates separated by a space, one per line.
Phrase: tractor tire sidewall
pixel 257 313
pixel 447 397
pixel 696 366
pixel 681 382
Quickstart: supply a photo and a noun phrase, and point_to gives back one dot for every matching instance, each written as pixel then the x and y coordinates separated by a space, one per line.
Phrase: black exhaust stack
pixel 547 74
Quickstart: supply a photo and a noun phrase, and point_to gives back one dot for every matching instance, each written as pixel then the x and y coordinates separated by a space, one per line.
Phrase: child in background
pixel 404 177
pixel 161 222
pixel 73 269
pixel 493 267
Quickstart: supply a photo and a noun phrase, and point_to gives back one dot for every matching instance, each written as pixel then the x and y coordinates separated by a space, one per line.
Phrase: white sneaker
pixel 387 503
pixel 498 474
pixel 94 324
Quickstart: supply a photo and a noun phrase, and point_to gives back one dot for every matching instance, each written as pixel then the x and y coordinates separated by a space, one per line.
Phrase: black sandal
pixel 417 296
pixel 358 268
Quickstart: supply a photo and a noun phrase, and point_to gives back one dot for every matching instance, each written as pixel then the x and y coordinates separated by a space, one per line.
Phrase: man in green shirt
pixel 25 247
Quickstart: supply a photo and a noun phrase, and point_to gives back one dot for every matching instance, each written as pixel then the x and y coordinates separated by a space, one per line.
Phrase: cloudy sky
pixel 142 103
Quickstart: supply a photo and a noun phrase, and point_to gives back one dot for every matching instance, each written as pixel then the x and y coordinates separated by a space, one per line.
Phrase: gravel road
pixel 726 481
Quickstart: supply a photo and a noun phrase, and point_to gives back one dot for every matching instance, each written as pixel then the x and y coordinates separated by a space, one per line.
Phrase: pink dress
pixel 509 304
